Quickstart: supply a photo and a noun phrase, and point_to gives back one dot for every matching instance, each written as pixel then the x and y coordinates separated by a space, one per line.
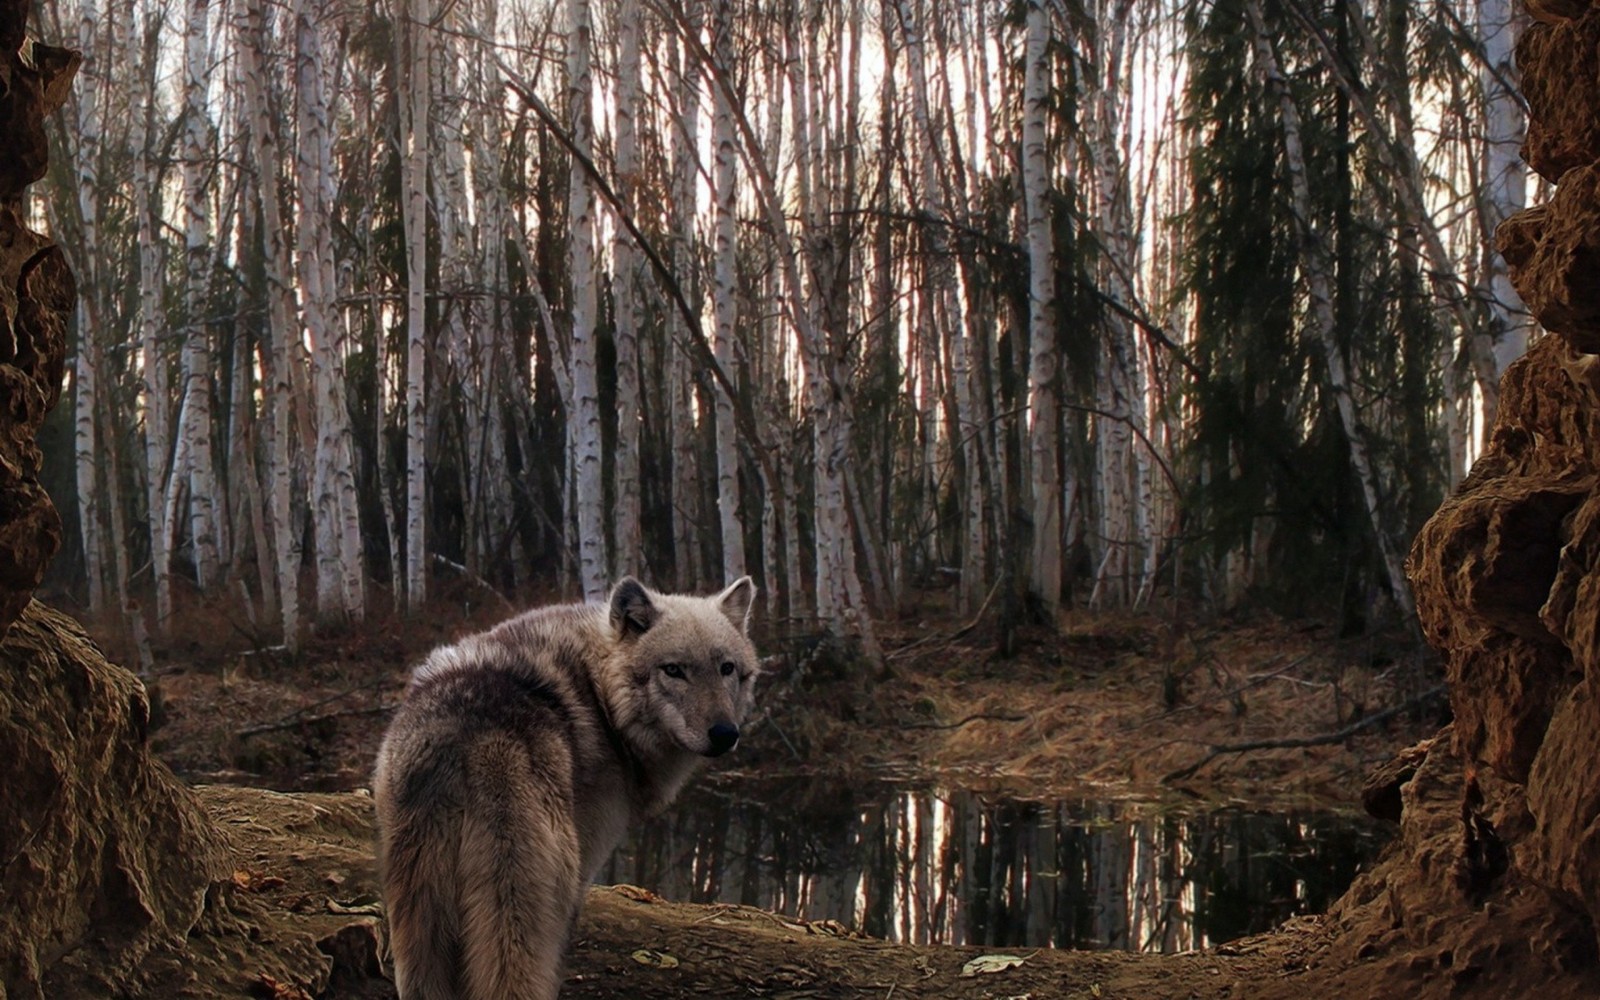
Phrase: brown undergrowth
pixel 1106 706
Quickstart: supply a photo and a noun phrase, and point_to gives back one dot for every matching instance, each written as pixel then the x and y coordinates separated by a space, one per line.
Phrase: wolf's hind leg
pixel 519 868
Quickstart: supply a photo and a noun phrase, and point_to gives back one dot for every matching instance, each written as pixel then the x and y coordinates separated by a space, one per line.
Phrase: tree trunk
pixel 583 410
pixel 418 80
pixel 1043 415
pixel 1505 177
pixel 335 514
pixel 626 554
pixel 725 306
pixel 194 425
pixel 253 36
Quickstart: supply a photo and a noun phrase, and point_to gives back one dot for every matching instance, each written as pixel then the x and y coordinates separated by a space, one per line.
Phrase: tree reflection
pixel 954 867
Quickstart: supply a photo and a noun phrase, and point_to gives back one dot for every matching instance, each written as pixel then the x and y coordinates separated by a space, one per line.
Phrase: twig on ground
pixel 1254 680
pixel 474 579
pixel 297 720
pixel 1295 742
pixel 953 636
pixel 977 717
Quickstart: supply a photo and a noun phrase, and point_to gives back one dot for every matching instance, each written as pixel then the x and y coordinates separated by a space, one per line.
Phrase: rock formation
pixel 1493 888
pixel 105 856
pixel 36 300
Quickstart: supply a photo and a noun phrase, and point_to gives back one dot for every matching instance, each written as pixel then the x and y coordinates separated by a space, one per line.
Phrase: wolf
pixel 518 760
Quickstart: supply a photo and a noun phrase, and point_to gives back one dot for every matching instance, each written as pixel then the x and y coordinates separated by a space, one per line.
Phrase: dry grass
pixel 1114 702
pixel 1106 706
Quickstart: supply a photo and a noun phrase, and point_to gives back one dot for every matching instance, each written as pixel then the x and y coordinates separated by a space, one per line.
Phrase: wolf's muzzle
pixel 723 737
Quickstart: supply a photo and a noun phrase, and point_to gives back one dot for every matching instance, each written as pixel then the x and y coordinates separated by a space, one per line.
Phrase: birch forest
pixel 1021 305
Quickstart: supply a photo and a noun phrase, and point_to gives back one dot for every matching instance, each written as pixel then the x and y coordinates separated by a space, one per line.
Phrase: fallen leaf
pixel 984 964
pixel 636 894
pixel 655 959
pixel 277 990
pixel 355 908
pixel 249 881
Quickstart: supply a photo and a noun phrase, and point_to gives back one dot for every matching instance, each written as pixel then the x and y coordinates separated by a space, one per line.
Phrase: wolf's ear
pixel 736 602
pixel 632 612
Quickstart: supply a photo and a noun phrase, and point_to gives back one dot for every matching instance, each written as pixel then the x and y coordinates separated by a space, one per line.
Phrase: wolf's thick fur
pixel 517 763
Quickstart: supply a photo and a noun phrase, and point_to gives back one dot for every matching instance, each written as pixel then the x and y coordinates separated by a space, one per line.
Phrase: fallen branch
pixel 1294 742
pixel 1253 680
pixel 977 717
pixel 953 636
pixel 474 579
pixel 306 720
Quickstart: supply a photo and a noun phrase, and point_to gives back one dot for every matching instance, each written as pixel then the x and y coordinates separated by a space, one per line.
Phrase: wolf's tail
pixel 518 867
pixel 419 860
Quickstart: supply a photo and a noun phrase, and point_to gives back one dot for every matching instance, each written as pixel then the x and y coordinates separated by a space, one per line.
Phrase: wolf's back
pixel 478 846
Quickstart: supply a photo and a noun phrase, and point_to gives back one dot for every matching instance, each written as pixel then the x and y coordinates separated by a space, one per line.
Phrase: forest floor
pixel 1106 708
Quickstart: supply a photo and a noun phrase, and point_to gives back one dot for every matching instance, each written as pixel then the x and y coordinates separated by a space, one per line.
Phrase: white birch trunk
pixel 583 413
pixel 946 312
pixel 416 226
pixel 90 312
pixel 1318 270
pixel 685 461
pixel 1043 414
pixel 281 313
pixel 194 428
pixel 724 304
pixel 626 291
pixel 1120 390
pixel 335 513
pixel 1505 176
pixel 154 390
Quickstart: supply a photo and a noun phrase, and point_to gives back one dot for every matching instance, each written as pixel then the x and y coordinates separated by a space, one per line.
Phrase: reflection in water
pixel 958 868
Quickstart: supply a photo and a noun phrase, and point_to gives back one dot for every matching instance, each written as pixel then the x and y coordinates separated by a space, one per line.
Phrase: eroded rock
pixel 36 301
pixel 1560 62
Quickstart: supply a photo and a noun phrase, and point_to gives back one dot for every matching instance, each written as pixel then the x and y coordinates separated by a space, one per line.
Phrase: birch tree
pixel 92 311
pixel 943 318
pixel 1505 177
pixel 193 464
pixel 335 512
pixel 627 295
pixel 416 57
pixel 1044 416
pixel 725 307
pixel 583 409
pixel 251 32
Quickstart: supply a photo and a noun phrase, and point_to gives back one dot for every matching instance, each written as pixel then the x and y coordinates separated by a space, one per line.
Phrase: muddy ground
pixel 307 886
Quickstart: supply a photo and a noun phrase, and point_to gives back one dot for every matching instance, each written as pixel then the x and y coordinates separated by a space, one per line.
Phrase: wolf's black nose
pixel 723 737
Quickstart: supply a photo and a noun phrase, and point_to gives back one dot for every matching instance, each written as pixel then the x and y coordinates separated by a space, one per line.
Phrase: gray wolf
pixel 517 762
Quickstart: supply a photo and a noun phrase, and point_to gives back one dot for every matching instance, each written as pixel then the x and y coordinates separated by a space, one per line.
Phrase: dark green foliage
pixel 1267 457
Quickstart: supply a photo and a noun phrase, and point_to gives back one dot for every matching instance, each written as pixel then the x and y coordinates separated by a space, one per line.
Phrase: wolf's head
pixel 690 662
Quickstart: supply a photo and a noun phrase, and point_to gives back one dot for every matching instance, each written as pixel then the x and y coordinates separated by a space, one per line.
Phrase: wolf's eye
pixel 673 670
pixel 727 670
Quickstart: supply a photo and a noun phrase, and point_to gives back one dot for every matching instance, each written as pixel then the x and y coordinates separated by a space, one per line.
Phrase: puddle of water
pixel 958 868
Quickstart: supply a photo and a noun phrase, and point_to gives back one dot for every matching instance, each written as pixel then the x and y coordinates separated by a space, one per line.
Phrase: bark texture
pixel 1493 888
